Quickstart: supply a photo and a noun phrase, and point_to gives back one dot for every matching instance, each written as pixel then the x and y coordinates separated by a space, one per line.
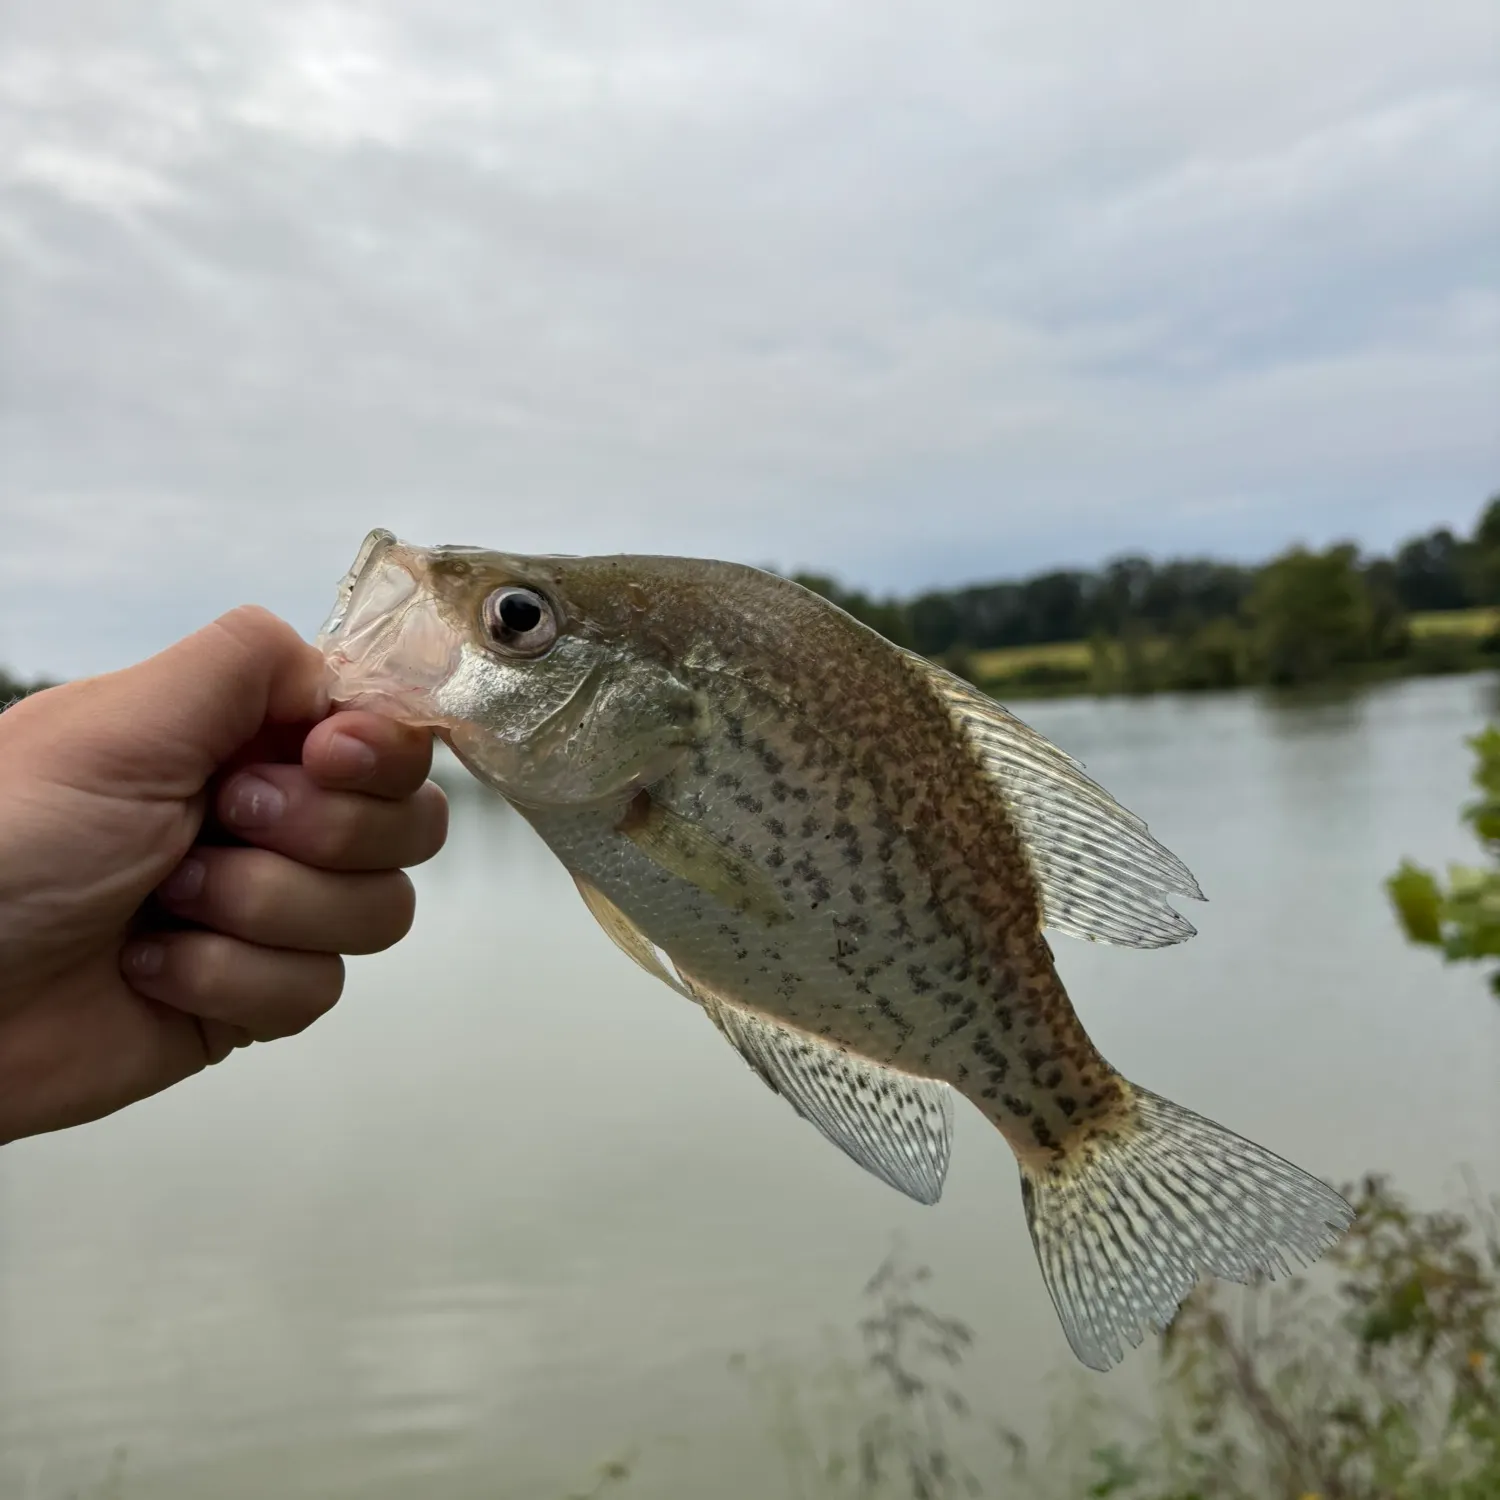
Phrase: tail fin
pixel 1124 1231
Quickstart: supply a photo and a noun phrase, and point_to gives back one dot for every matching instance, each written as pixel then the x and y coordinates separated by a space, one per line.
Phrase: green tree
pixel 1312 615
pixel 1461 918
pixel 1484 555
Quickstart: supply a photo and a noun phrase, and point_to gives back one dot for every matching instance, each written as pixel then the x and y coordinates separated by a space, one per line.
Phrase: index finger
pixel 358 751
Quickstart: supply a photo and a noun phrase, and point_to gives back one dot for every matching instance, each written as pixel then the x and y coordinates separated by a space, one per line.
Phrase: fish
pixel 850 860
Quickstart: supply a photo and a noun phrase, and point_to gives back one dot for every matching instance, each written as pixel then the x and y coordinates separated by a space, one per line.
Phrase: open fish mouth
pixel 385 641
pixel 374 546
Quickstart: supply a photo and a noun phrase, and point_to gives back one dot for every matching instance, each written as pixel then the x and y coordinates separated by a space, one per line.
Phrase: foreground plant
pixel 1462 918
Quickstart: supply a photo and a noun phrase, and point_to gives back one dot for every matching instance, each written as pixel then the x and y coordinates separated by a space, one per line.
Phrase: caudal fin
pixel 1126 1228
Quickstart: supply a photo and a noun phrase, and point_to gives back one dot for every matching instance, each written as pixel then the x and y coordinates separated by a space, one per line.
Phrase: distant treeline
pixel 1303 616
pixel 1439 571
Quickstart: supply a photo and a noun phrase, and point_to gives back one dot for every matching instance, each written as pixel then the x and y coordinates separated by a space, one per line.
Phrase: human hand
pixel 186 848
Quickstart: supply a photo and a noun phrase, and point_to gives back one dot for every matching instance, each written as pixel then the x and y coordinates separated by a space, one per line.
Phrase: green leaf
pixel 1418 901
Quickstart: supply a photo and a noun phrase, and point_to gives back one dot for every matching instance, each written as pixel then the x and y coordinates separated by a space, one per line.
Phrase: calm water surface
pixel 509 1209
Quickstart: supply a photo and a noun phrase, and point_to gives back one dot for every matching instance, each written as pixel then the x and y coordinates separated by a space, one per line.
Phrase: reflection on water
pixel 509 1209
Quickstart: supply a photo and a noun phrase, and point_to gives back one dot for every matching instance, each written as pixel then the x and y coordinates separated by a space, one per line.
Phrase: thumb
pixel 164 726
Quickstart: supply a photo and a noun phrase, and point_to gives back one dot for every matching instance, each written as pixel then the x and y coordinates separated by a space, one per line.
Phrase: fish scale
pixel 848 859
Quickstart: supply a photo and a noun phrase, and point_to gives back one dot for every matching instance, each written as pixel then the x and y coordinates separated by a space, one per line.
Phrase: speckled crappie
pixel 848 859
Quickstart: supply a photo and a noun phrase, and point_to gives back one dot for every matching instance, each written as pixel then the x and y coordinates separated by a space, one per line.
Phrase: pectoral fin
pixel 698 857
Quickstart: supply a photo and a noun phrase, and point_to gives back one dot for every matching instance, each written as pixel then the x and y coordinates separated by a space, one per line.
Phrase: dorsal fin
pixel 1100 874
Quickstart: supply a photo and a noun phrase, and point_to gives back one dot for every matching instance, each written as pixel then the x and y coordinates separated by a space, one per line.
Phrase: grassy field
pixel 1465 622
pixel 1074 656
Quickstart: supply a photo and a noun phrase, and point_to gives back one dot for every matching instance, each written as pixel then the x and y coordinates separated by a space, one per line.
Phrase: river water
pixel 511 1207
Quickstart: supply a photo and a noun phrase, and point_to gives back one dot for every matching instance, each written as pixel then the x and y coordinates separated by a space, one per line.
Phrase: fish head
pixel 535 670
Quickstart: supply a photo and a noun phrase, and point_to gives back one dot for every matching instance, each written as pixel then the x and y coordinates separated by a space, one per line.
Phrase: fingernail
pixel 185 883
pixel 144 960
pixel 350 758
pixel 254 803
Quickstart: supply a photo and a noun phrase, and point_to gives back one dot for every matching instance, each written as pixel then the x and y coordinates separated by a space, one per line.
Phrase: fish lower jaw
pixel 407 705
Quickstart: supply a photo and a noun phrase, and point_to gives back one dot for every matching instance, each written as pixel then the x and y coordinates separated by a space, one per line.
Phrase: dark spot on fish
pixel 810 826
pixel 637 812
pixel 775 827
pixel 1051 1078
pixel 780 790
pixel 1041 1133
pixel 917 976
pixel 950 998
pixel 844 829
pixel 768 757
pixel 748 803
pixel 857 894
pixel 734 730
pixel 1017 1106
pixel 1068 1105
pixel 902 1025
pixel 995 1060
pixel 777 857
pixel 728 779
pixel 844 800
pixel 800 794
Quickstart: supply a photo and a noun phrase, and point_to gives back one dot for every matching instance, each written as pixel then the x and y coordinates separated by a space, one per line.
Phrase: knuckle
pixel 340 833
pixel 254 892
pixel 203 965
pixel 323 984
pixel 387 910
pixel 435 801
pixel 403 907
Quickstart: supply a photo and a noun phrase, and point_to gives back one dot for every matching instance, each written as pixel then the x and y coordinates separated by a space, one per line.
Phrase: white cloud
pixel 913 294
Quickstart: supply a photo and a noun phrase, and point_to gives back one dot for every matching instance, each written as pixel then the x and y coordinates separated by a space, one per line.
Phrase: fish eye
pixel 520 620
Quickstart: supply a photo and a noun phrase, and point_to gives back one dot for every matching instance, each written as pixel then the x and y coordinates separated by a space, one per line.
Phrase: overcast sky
pixel 915 293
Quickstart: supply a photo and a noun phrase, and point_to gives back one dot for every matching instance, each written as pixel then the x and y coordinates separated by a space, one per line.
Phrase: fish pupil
pixel 520 612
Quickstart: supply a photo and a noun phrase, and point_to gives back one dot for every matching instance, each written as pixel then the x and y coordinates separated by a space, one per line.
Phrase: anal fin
pixel 895 1125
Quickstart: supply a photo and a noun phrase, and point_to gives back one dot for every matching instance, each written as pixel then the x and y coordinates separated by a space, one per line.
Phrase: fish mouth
pixel 377 542
pixel 385 642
